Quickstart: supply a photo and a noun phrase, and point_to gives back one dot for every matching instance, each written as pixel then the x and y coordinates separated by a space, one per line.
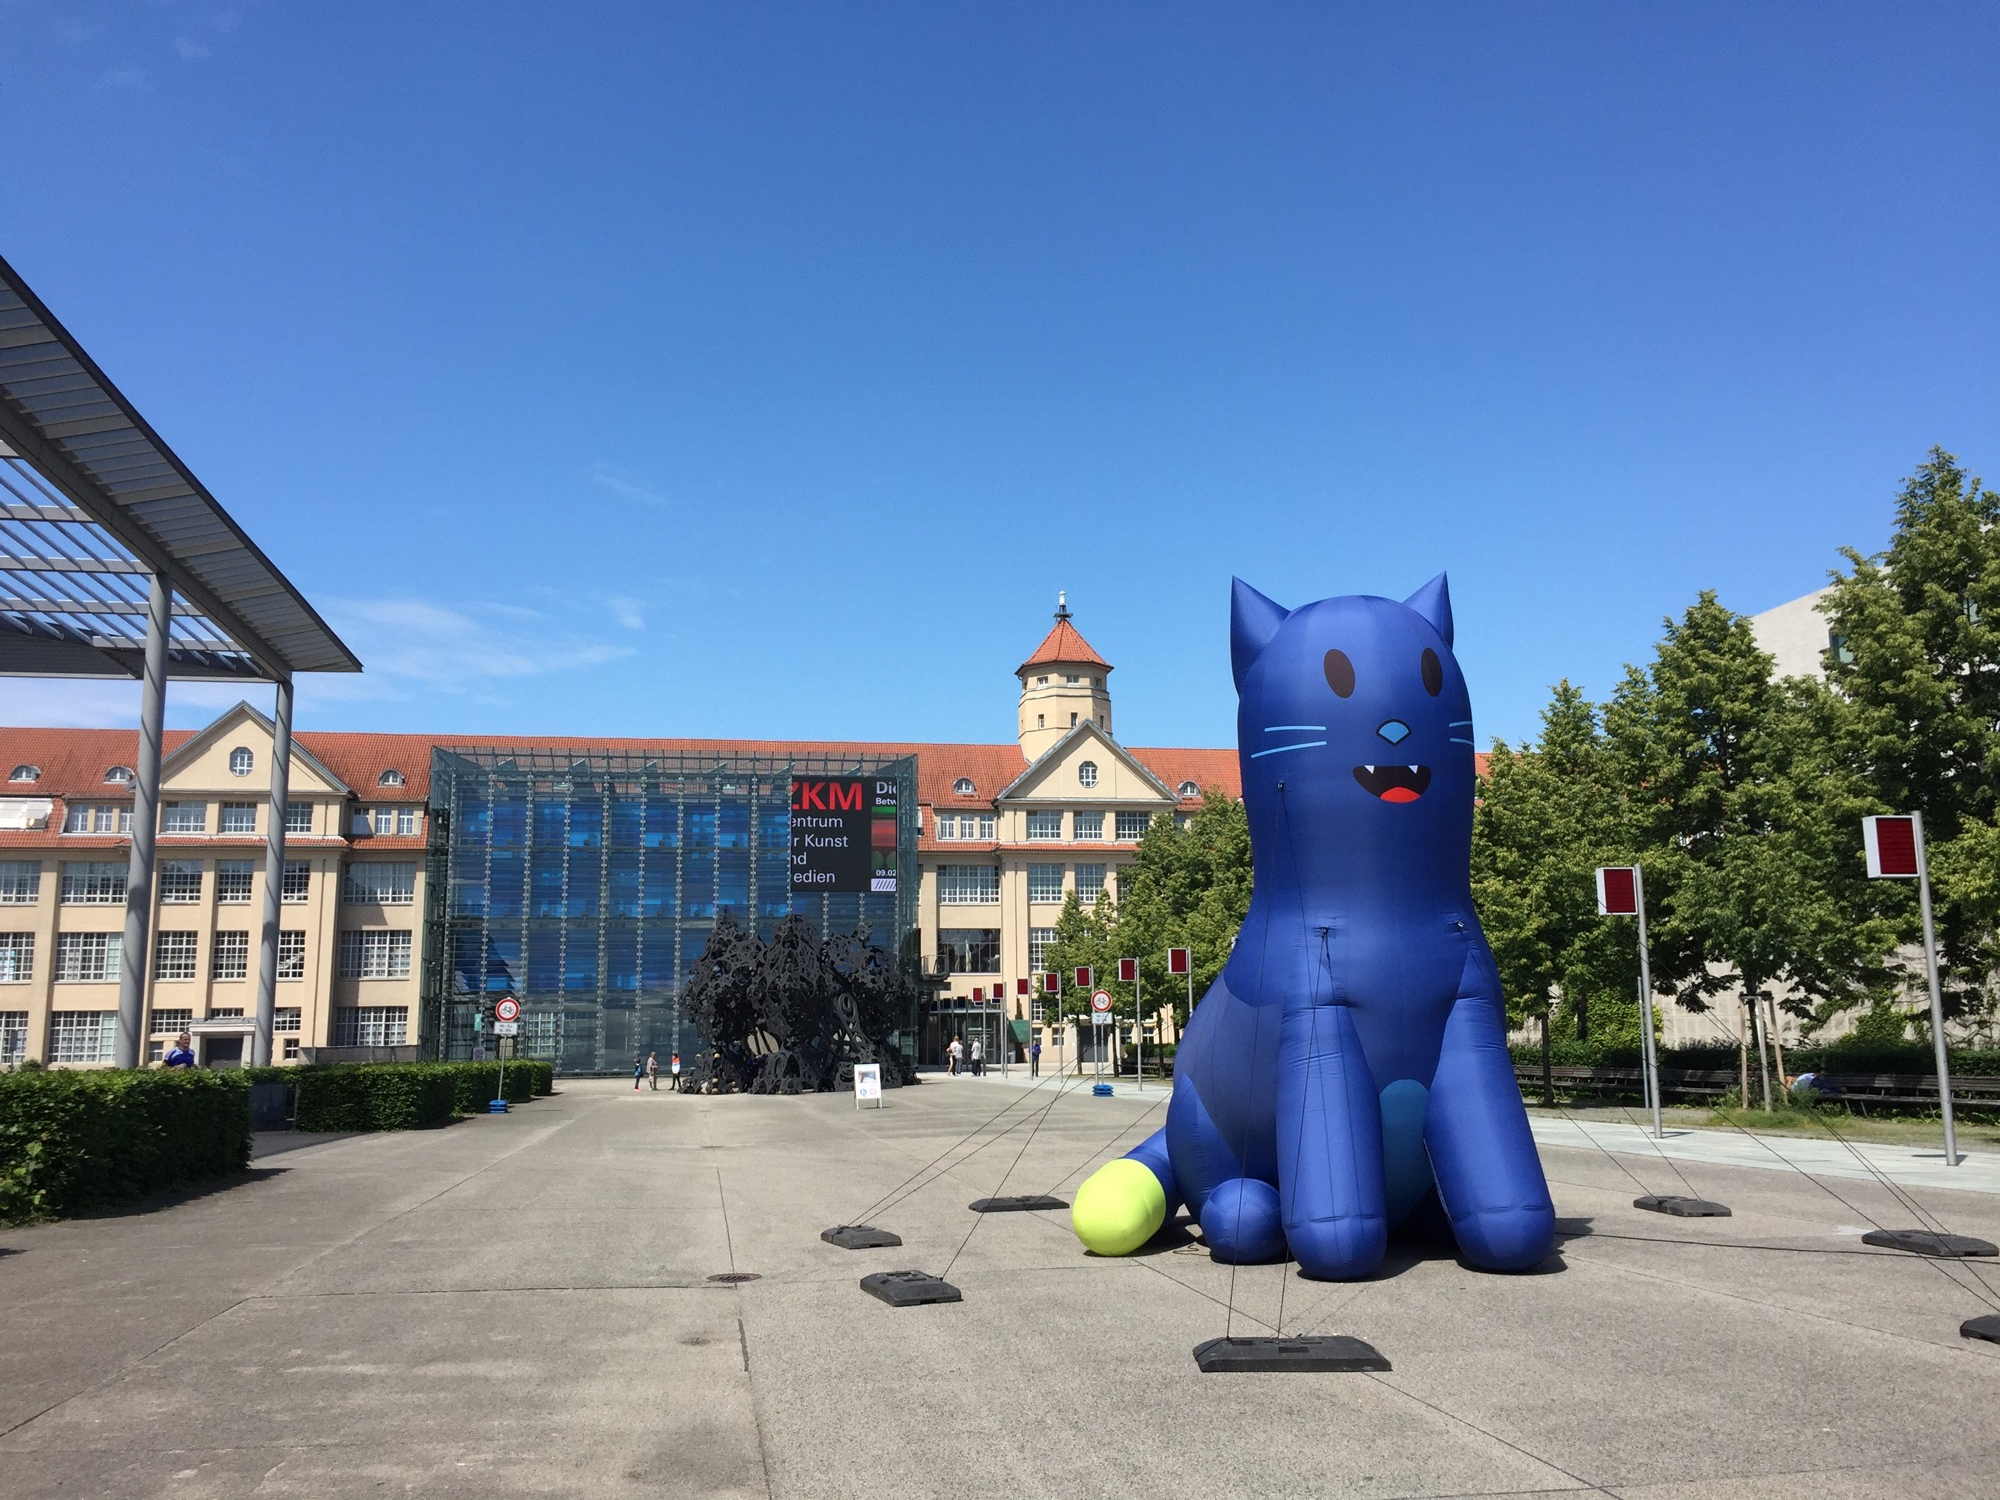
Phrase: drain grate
pixel 732 1278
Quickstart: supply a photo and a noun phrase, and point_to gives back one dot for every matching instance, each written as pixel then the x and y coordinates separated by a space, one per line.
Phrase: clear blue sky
pixel 745 370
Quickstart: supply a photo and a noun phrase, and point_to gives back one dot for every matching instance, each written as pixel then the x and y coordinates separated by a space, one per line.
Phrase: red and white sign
pixel 1083 977
pixel 1618 891
pixel 1100 1000
pixel 507 1010
pixel 1892 847
pixel 1128 970
pixel 1177 961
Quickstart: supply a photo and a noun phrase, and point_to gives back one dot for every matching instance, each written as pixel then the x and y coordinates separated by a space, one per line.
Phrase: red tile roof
pixel 1063 644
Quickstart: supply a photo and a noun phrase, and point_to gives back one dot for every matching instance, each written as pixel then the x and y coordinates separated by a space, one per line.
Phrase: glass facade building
pixel 586 883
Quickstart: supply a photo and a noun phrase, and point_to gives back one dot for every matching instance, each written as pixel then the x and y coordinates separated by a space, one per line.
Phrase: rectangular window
pixel 239 817
pixel 232 881
pixel 231 959
pixel 173 955
pixel 370 1026
pixel 947 825
pixel 291 955
pixel 88 957
pixel 17 957
pixel 385 819
pixel 1045 885
pixel 1132 826
pixel 1040 940
pixel 180 882
pixel 13 1035
pixel 97 817
pixel 298 882
pixel 380 885
pixel 969 950
pixel 372 954
pixel 185 817
pixel 1089 883
pixel 291 1049
pixel 171 1022
pixel 968 885
pixel 406 820
pixel 285 1018
pixel 989 825
pixel 1045 825
pixel 298 817
pixel 217 1012
pixel 82 1036
pixel 99 882
pixel 1089 827
pixel 20 882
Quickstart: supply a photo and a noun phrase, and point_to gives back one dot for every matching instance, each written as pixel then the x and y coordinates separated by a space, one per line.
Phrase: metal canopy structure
pixel 94 506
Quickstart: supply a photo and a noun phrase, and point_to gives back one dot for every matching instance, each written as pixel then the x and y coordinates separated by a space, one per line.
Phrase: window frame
pixel 227 943
pixel 178 950
pixel 20 882
pixel 242 761
pixel 966 885
pixel 19 968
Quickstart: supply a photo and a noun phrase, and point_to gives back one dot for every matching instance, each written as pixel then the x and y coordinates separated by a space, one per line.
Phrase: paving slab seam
pixel 122 1370
pixel 1578 1481
pixel 1613 1487
pixel 1778 1307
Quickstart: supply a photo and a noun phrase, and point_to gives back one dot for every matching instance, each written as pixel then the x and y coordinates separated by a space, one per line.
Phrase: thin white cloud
pixel 59 703
pixel 627 611
pixel 124 79
pixel 189 49
pixel 623 485
pixel 412 646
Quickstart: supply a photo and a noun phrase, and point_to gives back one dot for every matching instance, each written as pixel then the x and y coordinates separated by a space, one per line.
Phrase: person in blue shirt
pixel 181 1054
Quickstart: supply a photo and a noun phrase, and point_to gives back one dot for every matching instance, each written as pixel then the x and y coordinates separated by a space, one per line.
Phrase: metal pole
pixel 145 824
pixel 1763 1062
pixel 274 876
pixel 1646 991
pixel 1937 1001
pixel 1138 1035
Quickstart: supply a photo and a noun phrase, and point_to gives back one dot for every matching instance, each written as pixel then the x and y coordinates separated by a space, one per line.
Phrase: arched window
pixel 963 786
pixel 119 775
pixel 26 773
pixel 1087 773
pixel 1189 789
pixel 389 778
pixel 241 761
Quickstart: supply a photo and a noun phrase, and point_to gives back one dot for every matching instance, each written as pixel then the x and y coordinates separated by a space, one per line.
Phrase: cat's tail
pixel 1124 1202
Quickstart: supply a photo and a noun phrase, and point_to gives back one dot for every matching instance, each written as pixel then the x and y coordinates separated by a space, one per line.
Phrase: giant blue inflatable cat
pixel 1352 1054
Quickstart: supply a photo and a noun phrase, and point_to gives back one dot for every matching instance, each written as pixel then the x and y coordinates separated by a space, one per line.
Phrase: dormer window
pixel 1041 681
pixel 1086 773
pixel 120 776
pixel 1189 789
pixel 962 787
pixel 25 773
pixel 389 778
pixel 241 761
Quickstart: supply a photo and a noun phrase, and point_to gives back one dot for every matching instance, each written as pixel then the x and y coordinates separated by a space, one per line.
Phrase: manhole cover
pixel 731 1278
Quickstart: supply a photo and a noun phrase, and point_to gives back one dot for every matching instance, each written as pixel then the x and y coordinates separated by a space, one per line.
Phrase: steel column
pixel 274 875
pixel 145 823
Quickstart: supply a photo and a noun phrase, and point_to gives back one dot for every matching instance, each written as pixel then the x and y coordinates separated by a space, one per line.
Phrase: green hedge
pixel 73 1140
pixel 375 1096
pixel 1838 1057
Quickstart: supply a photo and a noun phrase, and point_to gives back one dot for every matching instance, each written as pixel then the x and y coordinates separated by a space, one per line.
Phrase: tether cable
pixel 949 1167
pixel 978 1219
pixel 878 1205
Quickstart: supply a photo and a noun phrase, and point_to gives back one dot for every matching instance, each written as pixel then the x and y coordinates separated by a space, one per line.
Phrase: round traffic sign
pixel 507 1010
pixel 1100 1000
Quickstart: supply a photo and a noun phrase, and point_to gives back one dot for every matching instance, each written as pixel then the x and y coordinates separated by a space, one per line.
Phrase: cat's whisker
pixel 1281 749
pixel 1280 728
pixel 1457 741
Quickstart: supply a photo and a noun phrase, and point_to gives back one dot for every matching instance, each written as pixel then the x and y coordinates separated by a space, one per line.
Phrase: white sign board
pixel 506 1028
pixel 1100 1018
pixel 867 1084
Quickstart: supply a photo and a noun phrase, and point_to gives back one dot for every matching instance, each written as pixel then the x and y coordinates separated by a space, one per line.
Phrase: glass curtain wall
pixel 586 884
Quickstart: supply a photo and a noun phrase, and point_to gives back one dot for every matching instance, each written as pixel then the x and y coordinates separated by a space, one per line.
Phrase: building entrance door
pixel 222 1051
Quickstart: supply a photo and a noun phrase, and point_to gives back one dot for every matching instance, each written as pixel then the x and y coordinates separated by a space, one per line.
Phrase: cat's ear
pixel 1253 620
pixel 1433 602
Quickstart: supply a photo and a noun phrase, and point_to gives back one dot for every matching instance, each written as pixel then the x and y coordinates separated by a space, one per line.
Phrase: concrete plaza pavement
pixel 520 1305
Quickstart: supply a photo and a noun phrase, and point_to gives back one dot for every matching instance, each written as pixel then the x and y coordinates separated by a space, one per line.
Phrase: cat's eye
pixel 1339 673
pixel 1433 672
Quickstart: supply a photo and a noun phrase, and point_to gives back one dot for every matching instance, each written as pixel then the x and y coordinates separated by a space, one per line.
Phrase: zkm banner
pixel 843 834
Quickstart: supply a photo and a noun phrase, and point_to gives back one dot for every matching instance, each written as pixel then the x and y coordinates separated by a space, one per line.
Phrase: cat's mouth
pixel 1394 783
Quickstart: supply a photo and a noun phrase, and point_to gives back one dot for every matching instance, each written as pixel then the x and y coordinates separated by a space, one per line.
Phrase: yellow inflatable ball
pixel 1119 1207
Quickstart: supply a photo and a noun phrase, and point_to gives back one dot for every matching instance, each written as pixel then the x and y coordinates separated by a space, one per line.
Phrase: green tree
pixel 1741 790
pixel 1916 650
pixel 1187 887
pixel 1549 814
pixel 1083 937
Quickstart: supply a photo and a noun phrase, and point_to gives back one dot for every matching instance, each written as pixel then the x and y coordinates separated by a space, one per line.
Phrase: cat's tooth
pixel 1413 770
pixel 1369 769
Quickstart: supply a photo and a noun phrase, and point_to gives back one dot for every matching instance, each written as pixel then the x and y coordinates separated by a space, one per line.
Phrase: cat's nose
pixel 1395 731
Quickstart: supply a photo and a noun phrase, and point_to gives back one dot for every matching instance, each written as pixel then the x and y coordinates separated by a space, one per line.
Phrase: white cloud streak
pixel 623 485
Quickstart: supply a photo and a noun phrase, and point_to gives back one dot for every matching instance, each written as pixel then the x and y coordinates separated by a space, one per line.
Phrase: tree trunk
pixel 1743 1055
pixel 1548 1067
pixel 1763 1062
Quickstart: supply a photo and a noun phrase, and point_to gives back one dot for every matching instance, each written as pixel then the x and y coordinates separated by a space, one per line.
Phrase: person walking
pixel 1035 1060
pixel 951 1055
pixel 978 1058
pixel 638 1072
pixel 182 1053
pixel 676 1065
pixel 653 1071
